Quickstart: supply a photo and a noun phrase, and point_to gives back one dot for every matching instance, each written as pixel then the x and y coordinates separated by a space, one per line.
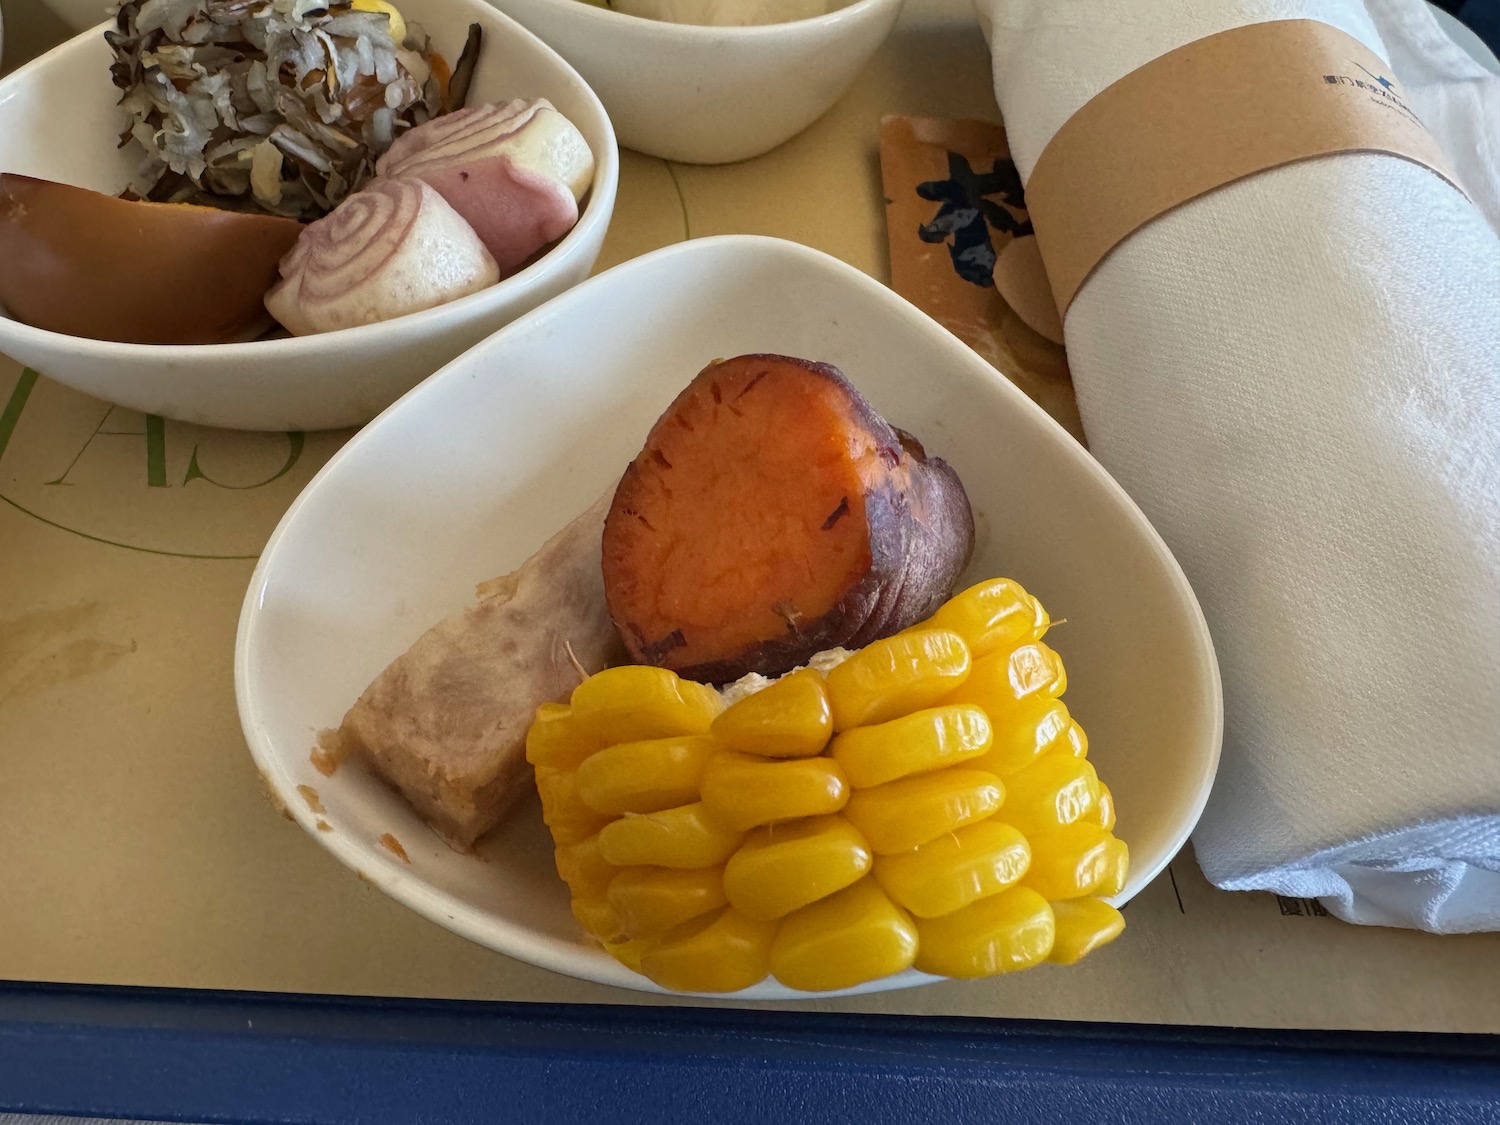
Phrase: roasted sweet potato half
pixel 773 514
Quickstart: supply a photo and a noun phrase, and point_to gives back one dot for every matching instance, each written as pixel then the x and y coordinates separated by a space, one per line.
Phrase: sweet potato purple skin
pixel 920 537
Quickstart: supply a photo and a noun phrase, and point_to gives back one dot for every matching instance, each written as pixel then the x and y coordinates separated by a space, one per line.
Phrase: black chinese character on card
pixel 966 214
pixel 1301 907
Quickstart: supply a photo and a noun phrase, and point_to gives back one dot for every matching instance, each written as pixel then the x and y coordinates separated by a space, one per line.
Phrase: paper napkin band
pixel 1206 114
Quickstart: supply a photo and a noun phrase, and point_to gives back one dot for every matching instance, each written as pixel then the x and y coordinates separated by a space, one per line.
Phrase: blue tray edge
pixel 189 1055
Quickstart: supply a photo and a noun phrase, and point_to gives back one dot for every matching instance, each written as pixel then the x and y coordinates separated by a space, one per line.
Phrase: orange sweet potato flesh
pixel 773 514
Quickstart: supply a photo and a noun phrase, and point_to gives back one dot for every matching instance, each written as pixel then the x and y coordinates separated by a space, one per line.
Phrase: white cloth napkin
pixel 1297 376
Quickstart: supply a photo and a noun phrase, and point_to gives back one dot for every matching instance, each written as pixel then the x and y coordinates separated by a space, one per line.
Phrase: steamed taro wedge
pixel 445 723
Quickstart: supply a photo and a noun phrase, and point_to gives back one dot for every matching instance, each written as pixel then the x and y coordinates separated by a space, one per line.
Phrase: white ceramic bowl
pixel 59 121
pixel 464 477
pixel 710 95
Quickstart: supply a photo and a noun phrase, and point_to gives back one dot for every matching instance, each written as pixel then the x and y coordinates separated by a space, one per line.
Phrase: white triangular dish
pixel 469 473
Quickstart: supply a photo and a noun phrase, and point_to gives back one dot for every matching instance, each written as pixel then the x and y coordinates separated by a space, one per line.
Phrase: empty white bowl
pixel 710 95
pixel 465 477
pixel 59 121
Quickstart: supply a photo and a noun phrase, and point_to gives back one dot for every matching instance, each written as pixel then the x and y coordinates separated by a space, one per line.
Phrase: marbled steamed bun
pixel 516 172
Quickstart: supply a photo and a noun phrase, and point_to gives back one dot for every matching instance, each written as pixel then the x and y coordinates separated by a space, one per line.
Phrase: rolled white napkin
pixel 1297 376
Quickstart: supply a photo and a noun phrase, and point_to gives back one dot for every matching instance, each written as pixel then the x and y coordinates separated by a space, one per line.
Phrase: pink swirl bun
pixel 515 171
pixel 394 247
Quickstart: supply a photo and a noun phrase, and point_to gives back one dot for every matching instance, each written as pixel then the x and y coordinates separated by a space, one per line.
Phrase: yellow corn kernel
pixel 1036 670
pixel 686 836
pixel 1071 862
pixel 900 815
pixel 651 900
pixel 1053 791
pixel 895 676
pixel 948 873
pixel 1117 869
pixel 785 866
pixel 915 743
pixel 1000 934
pixel 628 953
pixel 1083 925
pixel 554 739
pixel 1105 810
pixel 1034 728
pixel 743 791
pixel 598 918
pixel 853 936
pixel 722 952
pixel 790 718
pixel 992 615
pixel 584 868
pixel 563 811
pixel 397 24
pixel 1003 680
pixel 635 702
pixel 646 776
